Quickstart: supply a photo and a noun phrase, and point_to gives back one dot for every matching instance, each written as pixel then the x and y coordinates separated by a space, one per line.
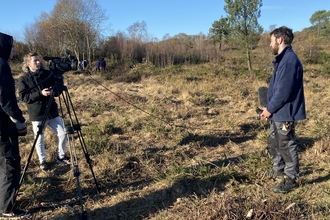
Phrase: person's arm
pixel 8 100
pixel 284 86
pixel 26 93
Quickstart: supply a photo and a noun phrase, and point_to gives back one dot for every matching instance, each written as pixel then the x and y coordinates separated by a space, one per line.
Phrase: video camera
pixel 58 66
pixel 62 64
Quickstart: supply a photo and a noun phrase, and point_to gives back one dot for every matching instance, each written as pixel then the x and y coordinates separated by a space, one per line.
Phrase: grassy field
pixel 179 143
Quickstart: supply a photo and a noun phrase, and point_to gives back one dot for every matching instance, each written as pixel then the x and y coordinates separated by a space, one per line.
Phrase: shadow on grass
pixel 305 143
pixel 190 185
pixel 213 141
pixel 144 206
pixel 136 207
pixel 53 194
pixel 246 132
pixel 320 179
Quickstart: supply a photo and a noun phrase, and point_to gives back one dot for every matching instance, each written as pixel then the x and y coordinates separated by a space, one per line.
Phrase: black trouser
pixel 10 171
pixel 282 147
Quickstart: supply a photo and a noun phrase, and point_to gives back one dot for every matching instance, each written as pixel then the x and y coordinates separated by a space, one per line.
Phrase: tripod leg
pixel 76 127
pixel 70 132
pixel 75 168
pixel 83 145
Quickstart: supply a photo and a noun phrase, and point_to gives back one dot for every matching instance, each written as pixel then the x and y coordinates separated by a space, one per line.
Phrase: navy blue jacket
pixel 285 97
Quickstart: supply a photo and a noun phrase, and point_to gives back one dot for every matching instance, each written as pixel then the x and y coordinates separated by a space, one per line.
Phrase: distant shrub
pixel 324 58
pixel 317 58
pixel 326 69
pixel 128 77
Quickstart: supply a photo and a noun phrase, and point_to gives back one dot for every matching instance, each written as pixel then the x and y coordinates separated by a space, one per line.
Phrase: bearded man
pixel 285 106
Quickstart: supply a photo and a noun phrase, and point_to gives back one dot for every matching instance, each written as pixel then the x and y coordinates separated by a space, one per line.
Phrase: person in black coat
pixel 102 64
pixel 12 125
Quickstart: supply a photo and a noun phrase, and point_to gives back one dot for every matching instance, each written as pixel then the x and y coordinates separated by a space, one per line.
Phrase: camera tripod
pixel 71 128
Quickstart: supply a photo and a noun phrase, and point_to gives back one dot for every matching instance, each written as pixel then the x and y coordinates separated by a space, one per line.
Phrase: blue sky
pixel 164 16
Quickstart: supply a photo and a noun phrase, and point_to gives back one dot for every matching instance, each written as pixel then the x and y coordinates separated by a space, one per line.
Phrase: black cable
pixel 169 123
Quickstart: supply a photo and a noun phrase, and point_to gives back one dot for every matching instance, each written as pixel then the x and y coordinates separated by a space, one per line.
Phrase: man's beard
pixel 275 49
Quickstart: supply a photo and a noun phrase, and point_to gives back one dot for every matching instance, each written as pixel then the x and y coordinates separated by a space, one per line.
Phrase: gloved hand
pixel 21 127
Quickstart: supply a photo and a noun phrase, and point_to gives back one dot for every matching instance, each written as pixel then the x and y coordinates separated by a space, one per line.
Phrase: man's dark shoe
pixel 286 185
pixel 15 214
pixel 44 166
pixel 64 160
pixel 274 174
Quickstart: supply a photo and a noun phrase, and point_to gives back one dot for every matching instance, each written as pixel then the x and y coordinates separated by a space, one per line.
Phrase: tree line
pixel 77 25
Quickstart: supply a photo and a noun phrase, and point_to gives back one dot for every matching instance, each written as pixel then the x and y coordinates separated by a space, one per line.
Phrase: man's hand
pixel 265 113
pixel 47 91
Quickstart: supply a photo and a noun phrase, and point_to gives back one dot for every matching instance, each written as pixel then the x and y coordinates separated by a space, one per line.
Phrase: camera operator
pixel 35 89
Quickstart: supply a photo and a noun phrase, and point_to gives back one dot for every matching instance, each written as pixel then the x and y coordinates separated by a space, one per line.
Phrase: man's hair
pixel 284 32
pixel 27 58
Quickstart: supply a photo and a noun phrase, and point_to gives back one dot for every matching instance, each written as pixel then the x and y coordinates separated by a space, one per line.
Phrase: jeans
pixel 57 126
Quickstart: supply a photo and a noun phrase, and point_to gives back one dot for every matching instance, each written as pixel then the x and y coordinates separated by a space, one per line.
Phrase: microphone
pixel 46 58
pixel 262 95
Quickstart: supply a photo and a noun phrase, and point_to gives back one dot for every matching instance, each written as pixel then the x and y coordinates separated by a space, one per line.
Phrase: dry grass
pixel 182 143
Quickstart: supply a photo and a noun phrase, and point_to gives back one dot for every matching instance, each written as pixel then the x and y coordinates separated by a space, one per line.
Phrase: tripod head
pixel 59 82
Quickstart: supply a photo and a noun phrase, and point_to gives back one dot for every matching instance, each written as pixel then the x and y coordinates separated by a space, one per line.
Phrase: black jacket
pixel 8 100
pixel 30 86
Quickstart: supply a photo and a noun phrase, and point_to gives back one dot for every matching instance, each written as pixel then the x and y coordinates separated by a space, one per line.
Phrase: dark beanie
pixel 6 44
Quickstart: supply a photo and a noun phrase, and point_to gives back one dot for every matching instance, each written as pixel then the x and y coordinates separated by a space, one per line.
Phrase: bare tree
pixel 73 24
pixel 138 35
